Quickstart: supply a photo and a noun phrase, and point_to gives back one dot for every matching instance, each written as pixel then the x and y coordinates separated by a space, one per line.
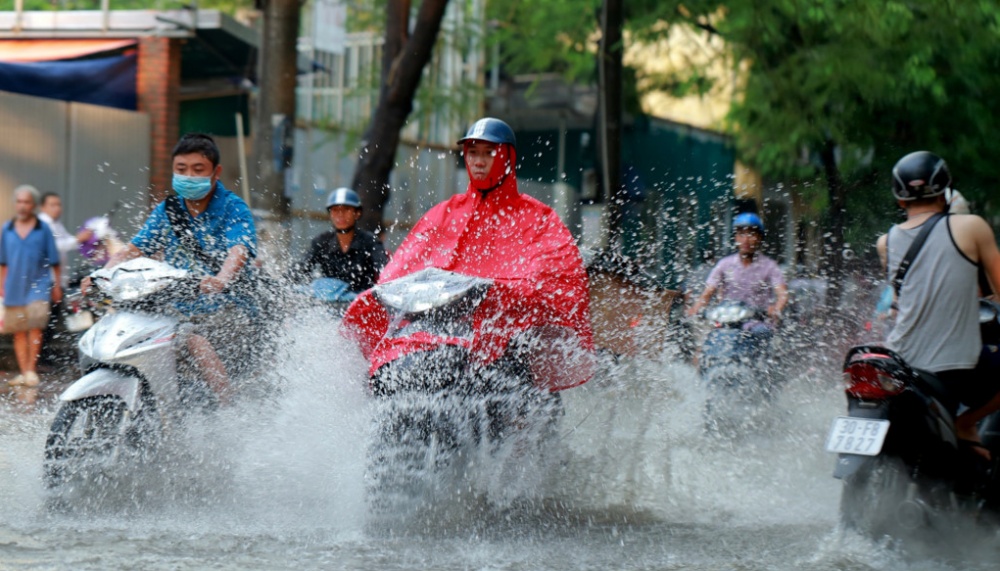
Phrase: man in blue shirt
pixel 29 280
pixel 210 231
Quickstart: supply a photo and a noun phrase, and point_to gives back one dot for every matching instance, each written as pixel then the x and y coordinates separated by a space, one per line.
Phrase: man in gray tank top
pixel 937 324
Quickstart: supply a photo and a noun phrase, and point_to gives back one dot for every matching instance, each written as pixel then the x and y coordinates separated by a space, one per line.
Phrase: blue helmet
pixel 748 220
pixel 490 130
pixel 343 196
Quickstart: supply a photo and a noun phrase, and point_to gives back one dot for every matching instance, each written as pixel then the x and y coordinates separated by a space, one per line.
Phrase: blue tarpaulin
pixel 104 81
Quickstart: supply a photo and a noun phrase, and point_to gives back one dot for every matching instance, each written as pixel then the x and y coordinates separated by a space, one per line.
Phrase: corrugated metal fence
pixel 95 158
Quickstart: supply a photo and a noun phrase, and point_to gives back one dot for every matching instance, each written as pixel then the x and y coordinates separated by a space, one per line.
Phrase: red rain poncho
pixel 539 283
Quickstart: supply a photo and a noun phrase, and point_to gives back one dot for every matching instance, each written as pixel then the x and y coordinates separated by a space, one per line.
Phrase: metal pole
pixel 105 14
pixel 241 149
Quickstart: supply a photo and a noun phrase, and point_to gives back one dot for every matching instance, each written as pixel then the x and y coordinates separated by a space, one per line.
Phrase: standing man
pixel 937 322
pixel 346 252
pixel 50 213
pixel 30 276
pixel 209 231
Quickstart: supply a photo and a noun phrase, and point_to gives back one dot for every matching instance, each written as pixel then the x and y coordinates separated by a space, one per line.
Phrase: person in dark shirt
pixel 346 252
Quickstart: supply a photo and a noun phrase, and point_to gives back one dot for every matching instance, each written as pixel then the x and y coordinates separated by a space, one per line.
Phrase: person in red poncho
pixel 539 301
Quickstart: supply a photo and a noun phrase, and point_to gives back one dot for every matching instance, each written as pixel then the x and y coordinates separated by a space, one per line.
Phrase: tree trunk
pixel 276 101
pixel 403 62
pixel 275 119
pixel 610 124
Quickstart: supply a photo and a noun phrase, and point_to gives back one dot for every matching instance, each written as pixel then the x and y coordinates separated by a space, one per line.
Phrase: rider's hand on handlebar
pixel 774 313
pixel 85 284
pixel 212 284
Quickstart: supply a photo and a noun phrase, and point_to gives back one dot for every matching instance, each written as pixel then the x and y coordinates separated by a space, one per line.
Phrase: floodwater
pixel 640 486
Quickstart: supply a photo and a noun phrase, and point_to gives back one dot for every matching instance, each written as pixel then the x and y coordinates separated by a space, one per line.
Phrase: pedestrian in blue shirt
pixel 29 280
pixel 209 231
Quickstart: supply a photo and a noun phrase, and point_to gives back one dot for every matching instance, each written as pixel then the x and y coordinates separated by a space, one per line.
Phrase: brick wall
pixel 158 85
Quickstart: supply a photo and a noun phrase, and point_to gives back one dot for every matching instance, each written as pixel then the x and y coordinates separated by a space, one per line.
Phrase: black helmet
pixel 920 175
pixel 490 130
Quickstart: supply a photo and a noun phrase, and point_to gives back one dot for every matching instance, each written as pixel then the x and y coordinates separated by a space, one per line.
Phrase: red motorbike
pixel 453 385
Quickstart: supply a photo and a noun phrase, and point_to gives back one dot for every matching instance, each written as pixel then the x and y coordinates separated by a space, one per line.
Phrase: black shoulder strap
pixel 180 223
pixel 918 243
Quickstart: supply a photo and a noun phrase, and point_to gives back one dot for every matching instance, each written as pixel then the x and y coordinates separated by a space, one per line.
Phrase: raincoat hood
pixel 540 283
pixel 501 172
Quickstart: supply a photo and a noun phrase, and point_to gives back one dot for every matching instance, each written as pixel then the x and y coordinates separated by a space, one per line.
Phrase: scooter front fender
pixel 105 382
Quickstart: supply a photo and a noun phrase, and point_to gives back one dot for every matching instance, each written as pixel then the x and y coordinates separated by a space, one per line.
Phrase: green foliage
pixel 879 78
pixel 229 6
pixel 552 36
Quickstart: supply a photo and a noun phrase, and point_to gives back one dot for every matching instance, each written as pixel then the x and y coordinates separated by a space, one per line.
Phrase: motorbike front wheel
pixel 85 435
pixel 413 443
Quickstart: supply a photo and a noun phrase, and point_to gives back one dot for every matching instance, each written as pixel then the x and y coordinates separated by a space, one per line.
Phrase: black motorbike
pixel 737 366
pixel 906 475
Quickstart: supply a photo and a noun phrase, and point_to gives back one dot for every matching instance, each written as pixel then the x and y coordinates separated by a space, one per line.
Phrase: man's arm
pixel 65 242
pixel 703 299
pixel 989 255
pixel 57 292
pixel 882 247
pixel 712 284
pixel 780 301
pixel 130 252
pixel 235 260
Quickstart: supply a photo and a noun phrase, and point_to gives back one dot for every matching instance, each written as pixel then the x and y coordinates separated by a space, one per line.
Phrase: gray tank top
pixel 937 327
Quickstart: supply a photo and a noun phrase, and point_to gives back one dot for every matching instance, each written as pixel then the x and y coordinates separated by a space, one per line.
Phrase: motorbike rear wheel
pixel 85 434
pixel 880 500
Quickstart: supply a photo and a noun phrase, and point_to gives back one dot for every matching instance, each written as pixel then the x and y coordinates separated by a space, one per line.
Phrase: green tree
pixel 406 52
pixel 828 90
pixel 839 90
pixel 229 6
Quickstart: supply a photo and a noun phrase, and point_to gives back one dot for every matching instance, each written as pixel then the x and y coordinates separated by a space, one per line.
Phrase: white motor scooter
pixel 132 389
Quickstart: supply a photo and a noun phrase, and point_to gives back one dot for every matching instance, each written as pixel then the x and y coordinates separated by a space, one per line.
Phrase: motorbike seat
pixel 930 384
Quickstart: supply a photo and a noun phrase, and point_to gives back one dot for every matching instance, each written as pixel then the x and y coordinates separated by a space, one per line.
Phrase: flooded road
pixel 641 487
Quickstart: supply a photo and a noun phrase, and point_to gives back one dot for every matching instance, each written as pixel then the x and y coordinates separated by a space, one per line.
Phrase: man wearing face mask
pixel 493 231
pixel 208 230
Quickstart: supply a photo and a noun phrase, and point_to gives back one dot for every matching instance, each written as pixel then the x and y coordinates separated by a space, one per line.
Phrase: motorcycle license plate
pixel 852 435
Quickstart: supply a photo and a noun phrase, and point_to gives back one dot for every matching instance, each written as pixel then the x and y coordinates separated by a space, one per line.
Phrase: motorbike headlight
pixel 428 289
pixel 729 313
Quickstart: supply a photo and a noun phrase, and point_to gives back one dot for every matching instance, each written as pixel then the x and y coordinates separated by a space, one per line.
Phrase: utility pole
pixel 610 116
pixel 275 123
